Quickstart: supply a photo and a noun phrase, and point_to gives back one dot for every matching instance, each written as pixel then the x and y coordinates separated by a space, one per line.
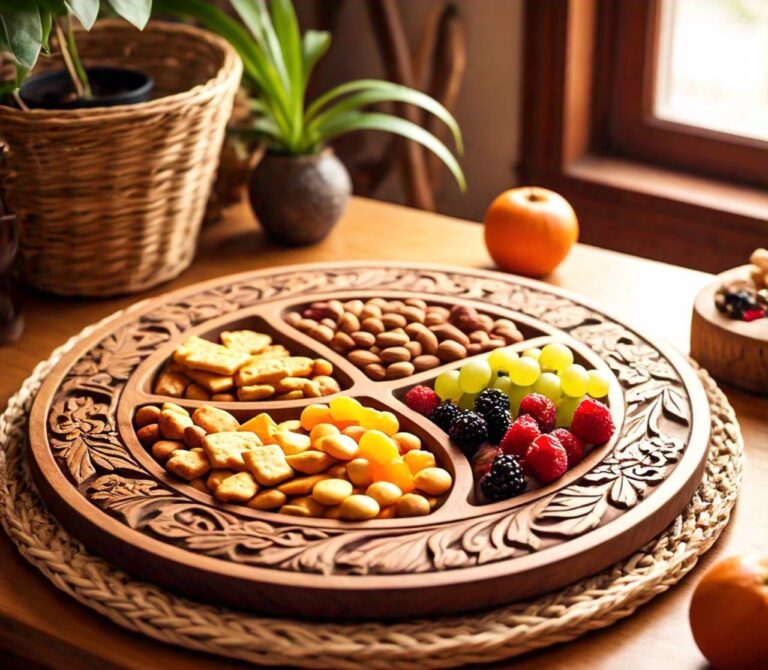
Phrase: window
pixel 712 65
pixel 651 116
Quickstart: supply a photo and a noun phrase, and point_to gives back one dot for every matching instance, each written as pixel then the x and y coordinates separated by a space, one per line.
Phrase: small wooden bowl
pixel 733 351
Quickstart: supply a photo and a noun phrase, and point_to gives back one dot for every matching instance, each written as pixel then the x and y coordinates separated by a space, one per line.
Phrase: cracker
pixel 196 392
pixel 215 477
pixel 225 450
pixel 291 443
pixel 201 354
pixel 268 465
pixel 237 488
pixel 171 384
pixel 298 366
pixel 266 371
pixel 211 381
pixel 245 340
pixel 255 392
pixel 188 465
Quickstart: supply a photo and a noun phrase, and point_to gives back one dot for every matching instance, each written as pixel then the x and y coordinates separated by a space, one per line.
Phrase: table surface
pixel 41 627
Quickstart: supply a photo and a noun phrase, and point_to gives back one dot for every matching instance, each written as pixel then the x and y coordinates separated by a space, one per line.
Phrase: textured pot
pixel 299 199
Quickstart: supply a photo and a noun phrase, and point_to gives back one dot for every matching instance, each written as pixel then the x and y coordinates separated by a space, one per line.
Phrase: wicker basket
pixel 110 200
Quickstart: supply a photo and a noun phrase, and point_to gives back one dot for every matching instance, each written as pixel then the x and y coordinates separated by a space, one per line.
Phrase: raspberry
pixel 483 459
pixel 504 479
pixel 573 446
pixel 518 438
pixel 422 399
pixel 498 422
pixel 490 400
pixel 445 414
pixel 592 422
pixel 469 431
pixel 546 459
pixel 540 408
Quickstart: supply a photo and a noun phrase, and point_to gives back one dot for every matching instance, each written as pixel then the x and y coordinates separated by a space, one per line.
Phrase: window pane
pixel 712 68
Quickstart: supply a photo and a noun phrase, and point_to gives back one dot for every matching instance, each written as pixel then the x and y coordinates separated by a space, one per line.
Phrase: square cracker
pixel 268 465
pixel 246 340
pixel 211 381
pixel 201 354
pixel 188 465
pixel 260 372
pixel 225 450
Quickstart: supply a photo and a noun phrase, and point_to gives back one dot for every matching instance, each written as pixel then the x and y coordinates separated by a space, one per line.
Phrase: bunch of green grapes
pixel 550 371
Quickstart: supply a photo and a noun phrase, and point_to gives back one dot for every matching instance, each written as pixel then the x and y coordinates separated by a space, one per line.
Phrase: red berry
pixel 540 408
pixel 592 422
pixel 422 399
pixel 752 314
pixel 518 438
pixel 573 446
pixel 546 459
pixel 483 459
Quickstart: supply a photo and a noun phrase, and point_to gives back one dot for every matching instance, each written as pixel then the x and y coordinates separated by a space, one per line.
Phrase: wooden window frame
pixel 618 165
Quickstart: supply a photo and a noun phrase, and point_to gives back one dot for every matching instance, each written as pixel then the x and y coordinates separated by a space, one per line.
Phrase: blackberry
pixel 469 431
pixel 445 414
pixel 504 479
pixel 489 400
pixel 498 421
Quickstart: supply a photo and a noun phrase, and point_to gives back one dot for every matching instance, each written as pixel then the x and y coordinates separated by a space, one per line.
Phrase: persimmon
pixel 729 613
pixel 530 230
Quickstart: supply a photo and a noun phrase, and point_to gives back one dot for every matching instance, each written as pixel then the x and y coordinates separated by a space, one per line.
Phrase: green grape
pixel 447 385
pixel 467 401
pixel 516 395
pixel 565 409
pixel 503 384
pixel 574 380
pixel 533 353
pixel 548 384
pixel 599 383
pixel 555 357
pixel 499 359
pixel 475 375
pixel 524 371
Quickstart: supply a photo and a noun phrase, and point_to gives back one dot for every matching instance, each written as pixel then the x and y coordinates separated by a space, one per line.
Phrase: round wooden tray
pixel 733 351
pixel 106 489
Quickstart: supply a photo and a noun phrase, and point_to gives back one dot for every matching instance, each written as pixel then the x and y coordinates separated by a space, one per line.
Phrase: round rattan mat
pixel 470 638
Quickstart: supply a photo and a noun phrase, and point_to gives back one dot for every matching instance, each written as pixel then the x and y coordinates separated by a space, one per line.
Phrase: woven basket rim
pixel 232 66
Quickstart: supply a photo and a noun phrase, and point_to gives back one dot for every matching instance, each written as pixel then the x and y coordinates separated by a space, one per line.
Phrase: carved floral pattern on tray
pixel 88 448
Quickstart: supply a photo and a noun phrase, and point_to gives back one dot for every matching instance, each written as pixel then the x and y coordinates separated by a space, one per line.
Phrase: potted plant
pixel 110 158
pixel 299 188
pixel 26 28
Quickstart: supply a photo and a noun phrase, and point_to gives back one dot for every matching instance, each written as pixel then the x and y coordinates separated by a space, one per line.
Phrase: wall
pixel 489 107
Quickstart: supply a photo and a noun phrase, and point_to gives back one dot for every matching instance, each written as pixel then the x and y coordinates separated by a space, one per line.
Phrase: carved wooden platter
pixel 107 490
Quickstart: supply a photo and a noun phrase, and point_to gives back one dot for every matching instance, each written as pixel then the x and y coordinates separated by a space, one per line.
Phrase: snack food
pixel 246 366
pixel 341 460
pixel 393 339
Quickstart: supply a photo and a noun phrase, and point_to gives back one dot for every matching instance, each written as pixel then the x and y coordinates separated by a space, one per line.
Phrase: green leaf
pixel 313 46
pixel 259 70
pixel 136 12
pixel 86 11
pixel 289 37
pixel 371 91
pixel 46 21
pixel 23 31
pixel 351 121
pixel 256 17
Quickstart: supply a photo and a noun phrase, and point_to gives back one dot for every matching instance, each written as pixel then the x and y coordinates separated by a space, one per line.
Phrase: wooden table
pixel 39 627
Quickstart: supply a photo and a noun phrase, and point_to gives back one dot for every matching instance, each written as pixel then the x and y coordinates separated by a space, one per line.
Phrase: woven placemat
pixel 452 641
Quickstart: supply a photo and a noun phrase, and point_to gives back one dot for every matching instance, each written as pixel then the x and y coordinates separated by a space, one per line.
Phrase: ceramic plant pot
pixel 299 199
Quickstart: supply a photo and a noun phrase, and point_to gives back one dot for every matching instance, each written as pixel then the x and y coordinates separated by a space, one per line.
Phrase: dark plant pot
pixel 111 87
pixel 299 199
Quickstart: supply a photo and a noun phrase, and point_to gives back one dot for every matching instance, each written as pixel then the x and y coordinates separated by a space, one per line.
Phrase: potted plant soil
pixel 112 131
pixel 299 189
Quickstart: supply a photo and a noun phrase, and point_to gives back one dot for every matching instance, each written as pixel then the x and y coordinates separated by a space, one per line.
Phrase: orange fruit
pixel 729 613
pixel 530 230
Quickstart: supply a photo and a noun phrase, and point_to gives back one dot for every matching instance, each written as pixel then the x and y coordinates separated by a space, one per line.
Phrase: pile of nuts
pixel 245 366
pixel 339 461
pixel 392 339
